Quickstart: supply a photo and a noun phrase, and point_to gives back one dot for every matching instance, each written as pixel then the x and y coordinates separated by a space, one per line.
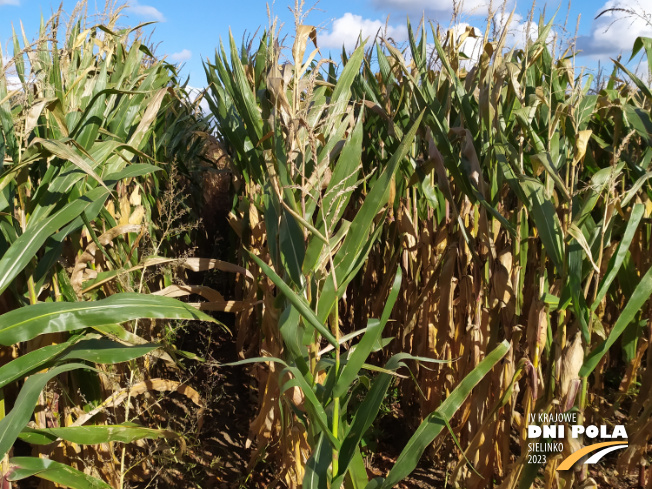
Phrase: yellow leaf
pixel 137 215
pixel 581 143
pixel 134 198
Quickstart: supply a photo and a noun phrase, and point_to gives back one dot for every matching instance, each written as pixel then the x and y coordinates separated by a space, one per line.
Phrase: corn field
pixel 457 244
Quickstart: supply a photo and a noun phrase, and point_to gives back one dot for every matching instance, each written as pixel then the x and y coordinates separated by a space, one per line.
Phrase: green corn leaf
pixel 316 475
pixel 19 61
pixel 292 247
pixel 643 42
pixel 49 470
pixel 544 160
pixel 545 217
pixel 366 413
pixel 357 474
pixel 55 72
pixel 6 121
pixel 27 245
pixel 373 203
pixel 435 422
pixel 107 351
pixel 337 194
pixel 29 322
pixel 366 345
pixel 463 98
pixel 329 295
pixel 634 191
pixel 318 414
pixel 93 350
pixel 576 258
pixel 637 81
pixel 617 259
pixel 61 150
pixel 12 424
pixel 293 332
pixel 342 92
pixel 94 435
pixel 296 301
pixel 30 362
pixel 144 126
pixel 93 117
pixel 640 121
pixel 357 237
pixel 131 171
pixel 599 181
pixel 419 53
pixel 244 96
pixel 634 304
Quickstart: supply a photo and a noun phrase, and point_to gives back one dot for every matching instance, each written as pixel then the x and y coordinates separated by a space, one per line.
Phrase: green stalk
pixel 336 400
pixel 335 326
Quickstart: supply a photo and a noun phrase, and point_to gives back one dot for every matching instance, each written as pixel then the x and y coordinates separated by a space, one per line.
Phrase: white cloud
pixel 181 56
pixel 9 2
pixel 615 30
pixel 518 31
pixel 472 45
pixel 146 11
pixel 347 29
pixel 472 7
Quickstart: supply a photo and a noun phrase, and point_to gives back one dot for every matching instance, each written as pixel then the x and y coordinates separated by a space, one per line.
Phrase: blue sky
pixel 189 31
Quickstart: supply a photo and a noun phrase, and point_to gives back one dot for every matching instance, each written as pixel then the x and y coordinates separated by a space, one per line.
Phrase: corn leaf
pixel 29 322
pixel 296 301
pixel 367 343
pixel 12 424
pixel 49 470
pixel 545 217
pixel 94 435
pixel 27 245
pixel 435 422
pixel 617 259
pixel 634 304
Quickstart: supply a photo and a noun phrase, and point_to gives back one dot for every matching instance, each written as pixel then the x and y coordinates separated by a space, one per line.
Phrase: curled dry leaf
pixel 589 483
pixel 203 264
pixel 304 32
pixel 185 290
pixel 137 215
pixel 577 233
pixel 224 306
pixel 150 262
pixel 160 385
pixel 134 198
pixel 581 143
pixel 501 277
pixel 125 209
pixel 89 254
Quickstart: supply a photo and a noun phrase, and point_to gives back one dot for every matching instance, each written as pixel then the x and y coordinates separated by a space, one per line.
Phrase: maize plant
pixel 467 203
pixel 309 217
pixel 507 222
pixel 86 114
